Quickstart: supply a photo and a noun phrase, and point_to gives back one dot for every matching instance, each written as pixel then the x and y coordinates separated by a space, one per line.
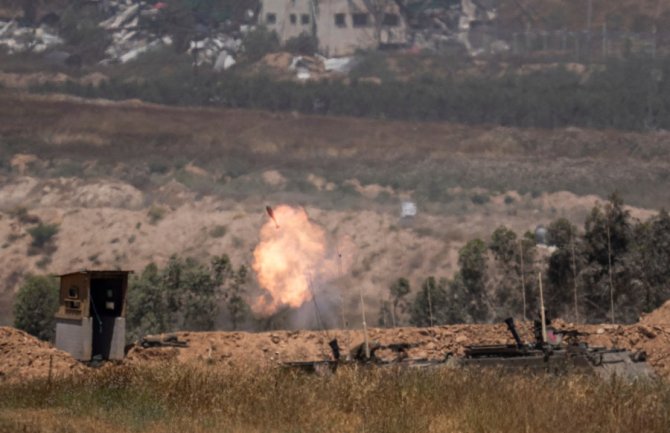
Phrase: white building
pixel 341 26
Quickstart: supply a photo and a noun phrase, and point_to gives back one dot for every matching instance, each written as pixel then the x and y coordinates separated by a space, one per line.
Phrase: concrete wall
pixel 118 339
pixel 75 337
pixel 283 10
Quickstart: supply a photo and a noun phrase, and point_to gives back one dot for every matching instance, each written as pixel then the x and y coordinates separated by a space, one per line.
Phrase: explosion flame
pixel 287 258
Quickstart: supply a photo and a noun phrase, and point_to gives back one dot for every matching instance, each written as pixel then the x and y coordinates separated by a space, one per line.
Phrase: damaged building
pixel 340 26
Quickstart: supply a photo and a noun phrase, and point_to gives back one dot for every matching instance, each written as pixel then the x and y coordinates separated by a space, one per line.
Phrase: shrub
pixel 155 214
pixel 305 44
pixel 218 231
pixel 259 42
pixel 480 199
pixel 35 306
pixel 42 234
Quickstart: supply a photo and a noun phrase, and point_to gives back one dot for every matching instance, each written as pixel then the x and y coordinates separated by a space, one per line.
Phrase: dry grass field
pixel 175 398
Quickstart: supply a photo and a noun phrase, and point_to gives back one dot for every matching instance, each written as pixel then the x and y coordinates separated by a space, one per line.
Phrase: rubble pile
pixel 17 39
pixel 129 38
pixel 435 25
pixel 305 68
pixel 23 356
pixel 131 25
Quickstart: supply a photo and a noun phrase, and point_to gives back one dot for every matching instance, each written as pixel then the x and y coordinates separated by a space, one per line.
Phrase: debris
pixel 341 65
pixel 122 18
pixel 16 39
pixel 170 340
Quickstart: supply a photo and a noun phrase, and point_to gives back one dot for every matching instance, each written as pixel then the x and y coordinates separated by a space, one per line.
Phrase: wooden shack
pixel 90 322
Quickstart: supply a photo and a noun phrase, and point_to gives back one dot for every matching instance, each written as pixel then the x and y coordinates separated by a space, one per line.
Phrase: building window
pixel 391 20
pixel 294 19
pixel 340 20
pixel 270 18
pixel 359 20
pixel 304 19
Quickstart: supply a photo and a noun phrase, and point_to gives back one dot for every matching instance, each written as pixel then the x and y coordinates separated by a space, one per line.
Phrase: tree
pixel 652 255
pixel 385 316
pixel 258 43
pixel 430 304
pixel 608 239
pixel 35 306
pixel 186 295
pixel 504 245
pixel 473 273
pixel 147 304
pixel 238 310
pixel 399 289
pixel 565 264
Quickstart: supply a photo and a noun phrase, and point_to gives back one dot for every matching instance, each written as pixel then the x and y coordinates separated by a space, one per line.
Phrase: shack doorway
pixel 105 306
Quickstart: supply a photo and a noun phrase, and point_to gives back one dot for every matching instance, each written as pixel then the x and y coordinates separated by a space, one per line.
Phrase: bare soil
pixel 24 357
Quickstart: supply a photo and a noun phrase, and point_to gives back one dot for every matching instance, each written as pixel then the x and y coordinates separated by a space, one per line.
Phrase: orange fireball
pixel 286 259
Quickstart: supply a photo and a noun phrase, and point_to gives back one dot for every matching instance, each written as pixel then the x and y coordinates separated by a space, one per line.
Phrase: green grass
pixel 209 398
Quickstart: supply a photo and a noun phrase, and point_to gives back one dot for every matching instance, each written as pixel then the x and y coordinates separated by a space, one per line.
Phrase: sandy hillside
pixel 107 224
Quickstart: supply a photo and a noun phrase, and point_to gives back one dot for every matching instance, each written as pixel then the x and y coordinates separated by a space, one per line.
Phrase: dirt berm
pixel 25 357
pixel 651 335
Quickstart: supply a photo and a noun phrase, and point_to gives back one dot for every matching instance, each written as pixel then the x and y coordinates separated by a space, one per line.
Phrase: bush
pixel 81 30
pixel 42 234
pixel 218 232
pixel 305 44
pixel 35 306
pixel 259 42
pixel 156 213
pixel 480 199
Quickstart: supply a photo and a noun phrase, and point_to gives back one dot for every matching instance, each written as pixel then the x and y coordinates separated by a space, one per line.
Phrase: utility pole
pixel 365 327
pixel 542 313
pixel 605 41
pixel 523 279
pixel 574 274
pixel 339 271
pixel 609 268
pixel 430 305
pixel 589 18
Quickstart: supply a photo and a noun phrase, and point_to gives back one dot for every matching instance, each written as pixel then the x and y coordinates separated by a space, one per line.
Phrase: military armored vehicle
pixel 557 352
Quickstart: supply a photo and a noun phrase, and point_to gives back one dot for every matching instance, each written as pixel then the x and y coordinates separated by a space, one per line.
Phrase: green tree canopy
pixel 35 305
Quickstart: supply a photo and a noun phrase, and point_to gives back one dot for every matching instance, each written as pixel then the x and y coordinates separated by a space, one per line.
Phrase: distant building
pixel 341 26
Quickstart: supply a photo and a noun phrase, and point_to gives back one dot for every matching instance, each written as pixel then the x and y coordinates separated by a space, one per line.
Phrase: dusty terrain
pixel 130 183
pixel 23 357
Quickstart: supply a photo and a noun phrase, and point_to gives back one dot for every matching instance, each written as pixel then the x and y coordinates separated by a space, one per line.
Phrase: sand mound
pixel 23 356
pixel 658 317
pixel 268 349
pixel 272 348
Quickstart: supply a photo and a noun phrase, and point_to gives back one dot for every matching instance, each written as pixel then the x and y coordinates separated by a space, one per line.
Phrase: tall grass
pixel 177 398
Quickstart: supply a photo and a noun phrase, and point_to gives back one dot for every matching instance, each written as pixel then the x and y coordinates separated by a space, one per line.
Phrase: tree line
pixel 613 269
pixel 632 94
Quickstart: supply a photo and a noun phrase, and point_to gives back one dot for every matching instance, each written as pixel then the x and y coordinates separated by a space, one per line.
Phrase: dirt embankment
pixel 24 357
pixel 651 335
